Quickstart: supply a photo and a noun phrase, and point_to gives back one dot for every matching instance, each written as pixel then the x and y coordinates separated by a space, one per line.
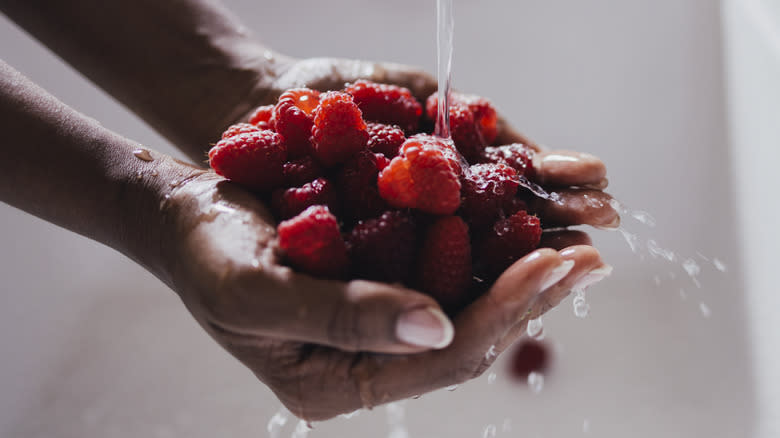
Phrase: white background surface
pixel 92 346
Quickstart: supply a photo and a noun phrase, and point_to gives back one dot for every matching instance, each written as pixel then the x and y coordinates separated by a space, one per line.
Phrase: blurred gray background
pixel 93 346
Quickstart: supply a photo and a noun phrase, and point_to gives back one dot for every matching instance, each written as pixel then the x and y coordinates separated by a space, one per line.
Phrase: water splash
pixel 491 353
pixel 491 379
pixel 353 414
pixel 719 265
pixel 536 382
pixel 693 269
pixel 535 329
pixel 396 420
pixel 581 306
pixel 506 426
pixel 490 431
pixel 705 310
pixel 277 422
pixel 537 190
pixel 302 429
pixel 445 26
pixel 586 426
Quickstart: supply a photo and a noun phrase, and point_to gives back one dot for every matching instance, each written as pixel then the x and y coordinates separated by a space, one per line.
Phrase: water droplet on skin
pixel 143 154
pixel 491 378
pixel 351 414
pixel 719 265
pixel 255 263
pixel 490 431
pixel 593 202
pixel 451 388
pixel 416 397
pixel 536 382
pixel 154 173
pixel 705 310
pixel 581 307
pixel 491 353
pixel 535 328
pixel 139 175
pixel 302 429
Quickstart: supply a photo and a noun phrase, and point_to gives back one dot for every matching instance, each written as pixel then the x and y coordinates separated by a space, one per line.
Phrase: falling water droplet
pixel 586 426
pixel 506 426
pixel 719 265
pixel 631 239
pixel 705 310
pixel 491 378
pixel 535 328
pixel 143 154
pixel 491 353
pixel 277 422
pixel 693 269
pixel 490 431
pixel 657 251
pixel 581 306
pixel 536 382
pixel 302 429
pixel 643 217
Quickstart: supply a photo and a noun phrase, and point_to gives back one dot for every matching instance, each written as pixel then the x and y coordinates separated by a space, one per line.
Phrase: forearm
pixel 67 169
pixel 185 66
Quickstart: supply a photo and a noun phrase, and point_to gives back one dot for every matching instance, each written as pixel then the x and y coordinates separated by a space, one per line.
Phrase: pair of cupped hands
pixel 330 347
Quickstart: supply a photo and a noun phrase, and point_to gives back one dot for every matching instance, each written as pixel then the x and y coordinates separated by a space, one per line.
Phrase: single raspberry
pixel 465 128
pixel 239 128
pixel 261 117
pixel 292 118
pixel 445 262
pixel 312 242
pixel 383 248
pixel 287 203
pixel 301 171
pixel 485 190
pixel 385 103
pixel 517 156
pixel 385 139
pixel 253 159
pixel 529 356
pixel 357 181
pixel 506 242
pixel 339 131
pixel 444 145
pixel 485 115
pixel 421 177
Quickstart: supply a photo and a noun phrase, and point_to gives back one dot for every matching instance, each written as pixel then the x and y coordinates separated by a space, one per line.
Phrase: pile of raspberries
pixel 362 188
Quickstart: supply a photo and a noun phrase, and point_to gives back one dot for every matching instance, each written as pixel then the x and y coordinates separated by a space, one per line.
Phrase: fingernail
pixel 557 158
pixel 610 226
pixel 593 277
pixel 426 327
pixel 557 275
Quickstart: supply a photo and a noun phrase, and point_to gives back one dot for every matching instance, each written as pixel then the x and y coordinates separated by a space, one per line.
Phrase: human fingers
pixel 577 207
pixel 588 269
pixel 353 316
pixel 560 239
pixel 569 168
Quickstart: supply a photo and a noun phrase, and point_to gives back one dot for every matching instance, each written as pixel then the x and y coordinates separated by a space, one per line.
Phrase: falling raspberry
pixel 529 356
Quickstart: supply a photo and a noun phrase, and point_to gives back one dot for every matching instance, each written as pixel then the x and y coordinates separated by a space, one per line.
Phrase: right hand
pixel 321 345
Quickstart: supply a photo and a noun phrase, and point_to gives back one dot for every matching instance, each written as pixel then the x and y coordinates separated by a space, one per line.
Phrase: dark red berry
pixel 445 262
pixel 287 203
pixel 253 159
pixel 385 139
pixel 383 248
pixel 388 104
pixel 292 118
pixel 312 242
pixel 339 131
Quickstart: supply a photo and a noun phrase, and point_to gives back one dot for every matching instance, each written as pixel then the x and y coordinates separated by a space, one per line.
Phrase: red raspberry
pixel 292 118
pixel 388 104
pixel 514 205
pixel 506 242
pixel 312 242
pixel 287 203
pixel 444 145
pixel 339 131
pixel 239 128
pixel 253 159
pixel 358 185
pixel 385 139
pixel 517 156
pixel 301 171
pixel 262 117
pixel 445 262
pixel 485 115
pixel 421 177
pixel 486 188
pixel 383 248
pixel 529 356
